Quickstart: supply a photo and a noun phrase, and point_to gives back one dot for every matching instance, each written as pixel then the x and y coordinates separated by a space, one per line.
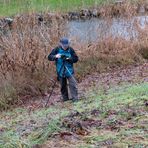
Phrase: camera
pixel 64 57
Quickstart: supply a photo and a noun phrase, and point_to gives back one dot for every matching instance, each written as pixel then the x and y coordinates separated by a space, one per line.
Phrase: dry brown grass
pixel 109 54
pixel 25 70
pixel 124 8
pixel 23 64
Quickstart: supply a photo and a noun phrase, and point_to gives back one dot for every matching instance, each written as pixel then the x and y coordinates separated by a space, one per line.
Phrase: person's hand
pixel 57 56
pixel 69 59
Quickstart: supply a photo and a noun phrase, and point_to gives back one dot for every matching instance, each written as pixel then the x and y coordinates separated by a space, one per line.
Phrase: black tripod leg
pixel 50 93
pixel 54 85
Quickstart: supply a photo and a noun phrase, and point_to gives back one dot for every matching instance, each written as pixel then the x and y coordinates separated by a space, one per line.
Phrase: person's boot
pixel 65 99
pixel 74 100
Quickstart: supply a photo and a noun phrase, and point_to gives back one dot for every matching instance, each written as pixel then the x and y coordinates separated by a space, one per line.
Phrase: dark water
pixel 96 29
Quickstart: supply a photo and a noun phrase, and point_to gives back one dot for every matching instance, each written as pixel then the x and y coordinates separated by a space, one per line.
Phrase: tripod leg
pixel 50 93
pixel 74 80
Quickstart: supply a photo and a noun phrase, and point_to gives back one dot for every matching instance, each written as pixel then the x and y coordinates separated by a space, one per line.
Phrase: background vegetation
pixel 11 7
pixel 25 70
pixel 113 116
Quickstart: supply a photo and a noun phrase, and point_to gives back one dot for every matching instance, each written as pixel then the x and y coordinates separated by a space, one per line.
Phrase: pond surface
pixel 96 29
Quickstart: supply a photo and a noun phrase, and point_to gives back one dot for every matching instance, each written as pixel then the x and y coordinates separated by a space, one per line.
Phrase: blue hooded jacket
pixel 72 58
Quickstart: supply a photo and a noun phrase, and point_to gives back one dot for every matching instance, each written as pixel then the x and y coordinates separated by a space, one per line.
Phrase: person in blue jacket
pixel 64 57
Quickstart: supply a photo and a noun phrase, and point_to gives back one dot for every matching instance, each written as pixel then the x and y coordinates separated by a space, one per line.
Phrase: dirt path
pixel 134 73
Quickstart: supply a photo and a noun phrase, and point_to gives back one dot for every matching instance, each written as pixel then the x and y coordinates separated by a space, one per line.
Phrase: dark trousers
pixel 72 87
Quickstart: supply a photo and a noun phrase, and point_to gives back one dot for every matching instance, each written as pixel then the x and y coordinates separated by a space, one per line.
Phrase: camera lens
pixel 63 56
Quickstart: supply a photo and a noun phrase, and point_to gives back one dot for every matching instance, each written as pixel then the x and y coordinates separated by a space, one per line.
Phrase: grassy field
pixel 117 118
pixel 11 7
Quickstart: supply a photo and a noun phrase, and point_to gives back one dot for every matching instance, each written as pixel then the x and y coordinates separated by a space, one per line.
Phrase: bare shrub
pixel 25 70
pixel 123 8
pixel 24 63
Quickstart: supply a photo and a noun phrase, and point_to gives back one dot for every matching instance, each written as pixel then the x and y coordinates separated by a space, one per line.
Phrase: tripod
pixel 54 84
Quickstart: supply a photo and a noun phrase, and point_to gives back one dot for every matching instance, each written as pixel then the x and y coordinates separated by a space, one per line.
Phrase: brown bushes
pixel 23 63
pixel 25 70
pixel 124 8
pixel 143 41
pixel 107 54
